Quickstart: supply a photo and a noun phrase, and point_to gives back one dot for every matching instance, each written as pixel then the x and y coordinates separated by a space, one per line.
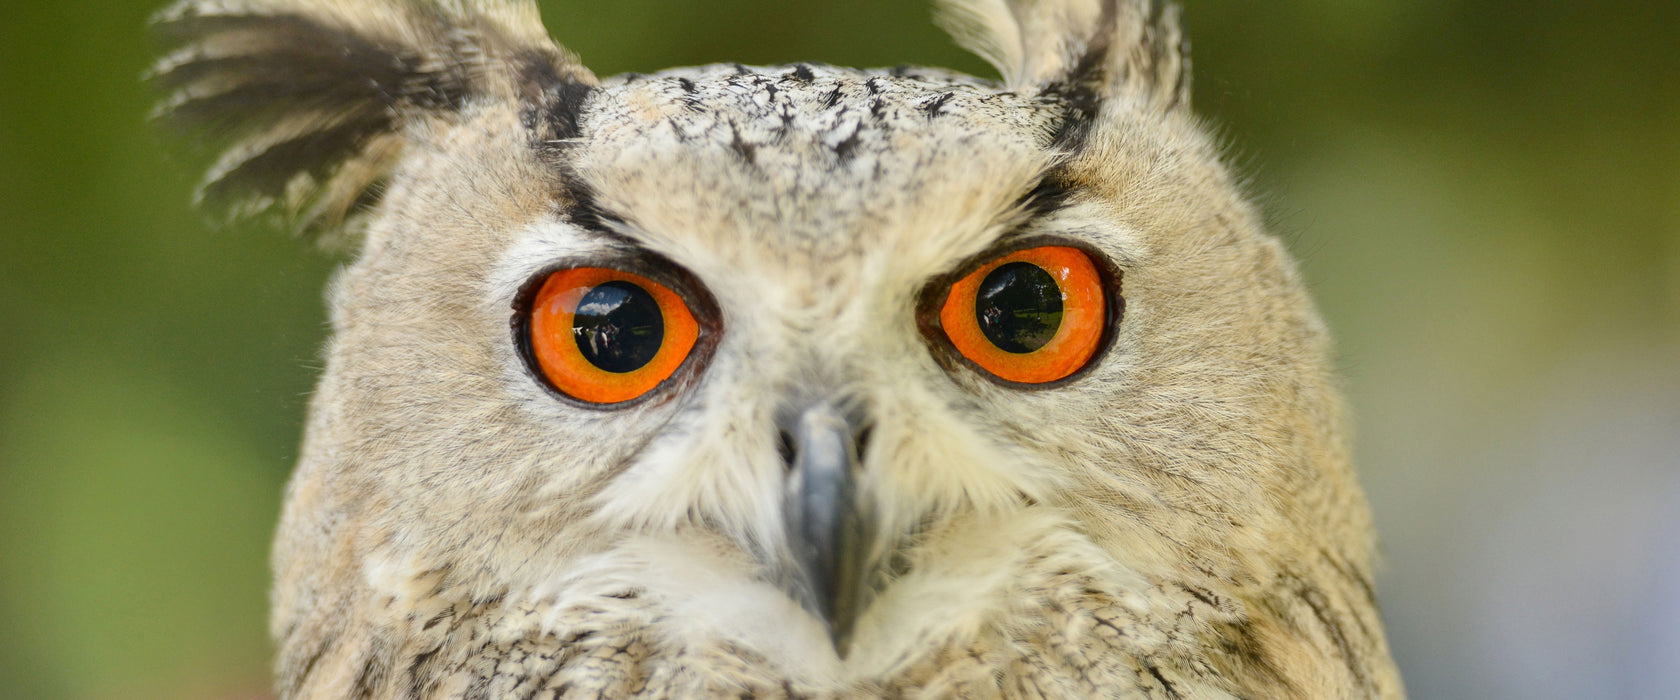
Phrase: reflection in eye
pixel 1019 307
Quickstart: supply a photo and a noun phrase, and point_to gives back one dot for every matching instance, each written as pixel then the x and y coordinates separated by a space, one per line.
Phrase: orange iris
pixel 607 336
pixel 1031 316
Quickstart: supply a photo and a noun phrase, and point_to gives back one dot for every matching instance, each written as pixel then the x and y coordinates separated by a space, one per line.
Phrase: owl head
pixel 851 376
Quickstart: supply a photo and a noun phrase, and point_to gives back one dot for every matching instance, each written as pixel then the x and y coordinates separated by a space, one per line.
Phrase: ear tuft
pixel 315 97
pixel 1110 47
pixel 988 29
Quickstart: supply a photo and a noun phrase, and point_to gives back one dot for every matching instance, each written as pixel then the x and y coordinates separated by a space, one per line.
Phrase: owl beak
pixel 825 532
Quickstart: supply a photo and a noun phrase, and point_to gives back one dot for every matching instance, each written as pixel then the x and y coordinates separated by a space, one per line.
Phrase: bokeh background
pixel 1485 196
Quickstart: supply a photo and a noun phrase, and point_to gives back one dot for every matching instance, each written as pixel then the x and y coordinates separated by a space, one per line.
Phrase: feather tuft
pixel 313 98
pixel 1107 47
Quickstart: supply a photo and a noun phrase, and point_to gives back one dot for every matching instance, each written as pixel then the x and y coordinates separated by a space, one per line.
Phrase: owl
pixel 785 382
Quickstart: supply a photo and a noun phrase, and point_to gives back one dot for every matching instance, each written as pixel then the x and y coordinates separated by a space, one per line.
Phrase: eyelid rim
pixel 933 294
pixel 701 305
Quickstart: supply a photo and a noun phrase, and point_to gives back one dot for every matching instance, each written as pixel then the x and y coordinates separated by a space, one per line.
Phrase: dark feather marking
pixel 934 107
pixel 832 97
pixel 1080 105
pixel 438 619
pixel 802 73
pixel 677 129
pixel 1048 196
pixel 371 677
pixel 417 681
pixel 564 108
pixel 1320 606
pixel 587 213
pixel 1347 570
pixel 686 84
pixel 847 146
pixel 532 686
pixel 742 149
pixel 1199 594
pixel 554 101
pixel 1080 91
pixel 480 689
pixel 1242 646
pixel 297 680
pixel 1165 685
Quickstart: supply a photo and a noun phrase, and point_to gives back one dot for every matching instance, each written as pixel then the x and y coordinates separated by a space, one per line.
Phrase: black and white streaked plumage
pixel 793 381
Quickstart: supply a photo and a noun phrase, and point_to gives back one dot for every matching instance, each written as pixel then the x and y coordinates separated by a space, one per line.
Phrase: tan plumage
pixel 1177 519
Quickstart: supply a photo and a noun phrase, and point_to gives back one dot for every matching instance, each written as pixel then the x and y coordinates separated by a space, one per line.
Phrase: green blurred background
pixel 1486 197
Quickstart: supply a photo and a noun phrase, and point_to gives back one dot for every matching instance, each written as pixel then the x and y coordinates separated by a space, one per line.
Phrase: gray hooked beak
pixel 824 528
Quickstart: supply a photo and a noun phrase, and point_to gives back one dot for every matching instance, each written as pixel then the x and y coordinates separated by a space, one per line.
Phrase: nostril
pixel 863 440
pixel 784 445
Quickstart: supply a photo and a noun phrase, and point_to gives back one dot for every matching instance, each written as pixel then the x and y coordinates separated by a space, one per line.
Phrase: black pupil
pixel 618 327
pixel 1019 307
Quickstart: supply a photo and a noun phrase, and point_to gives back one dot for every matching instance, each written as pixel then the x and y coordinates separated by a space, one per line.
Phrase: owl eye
pixel 1031 316
pixel 607 336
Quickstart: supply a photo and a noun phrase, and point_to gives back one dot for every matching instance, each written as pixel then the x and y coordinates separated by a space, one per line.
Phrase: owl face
pixel 837 370
pixel 785 240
